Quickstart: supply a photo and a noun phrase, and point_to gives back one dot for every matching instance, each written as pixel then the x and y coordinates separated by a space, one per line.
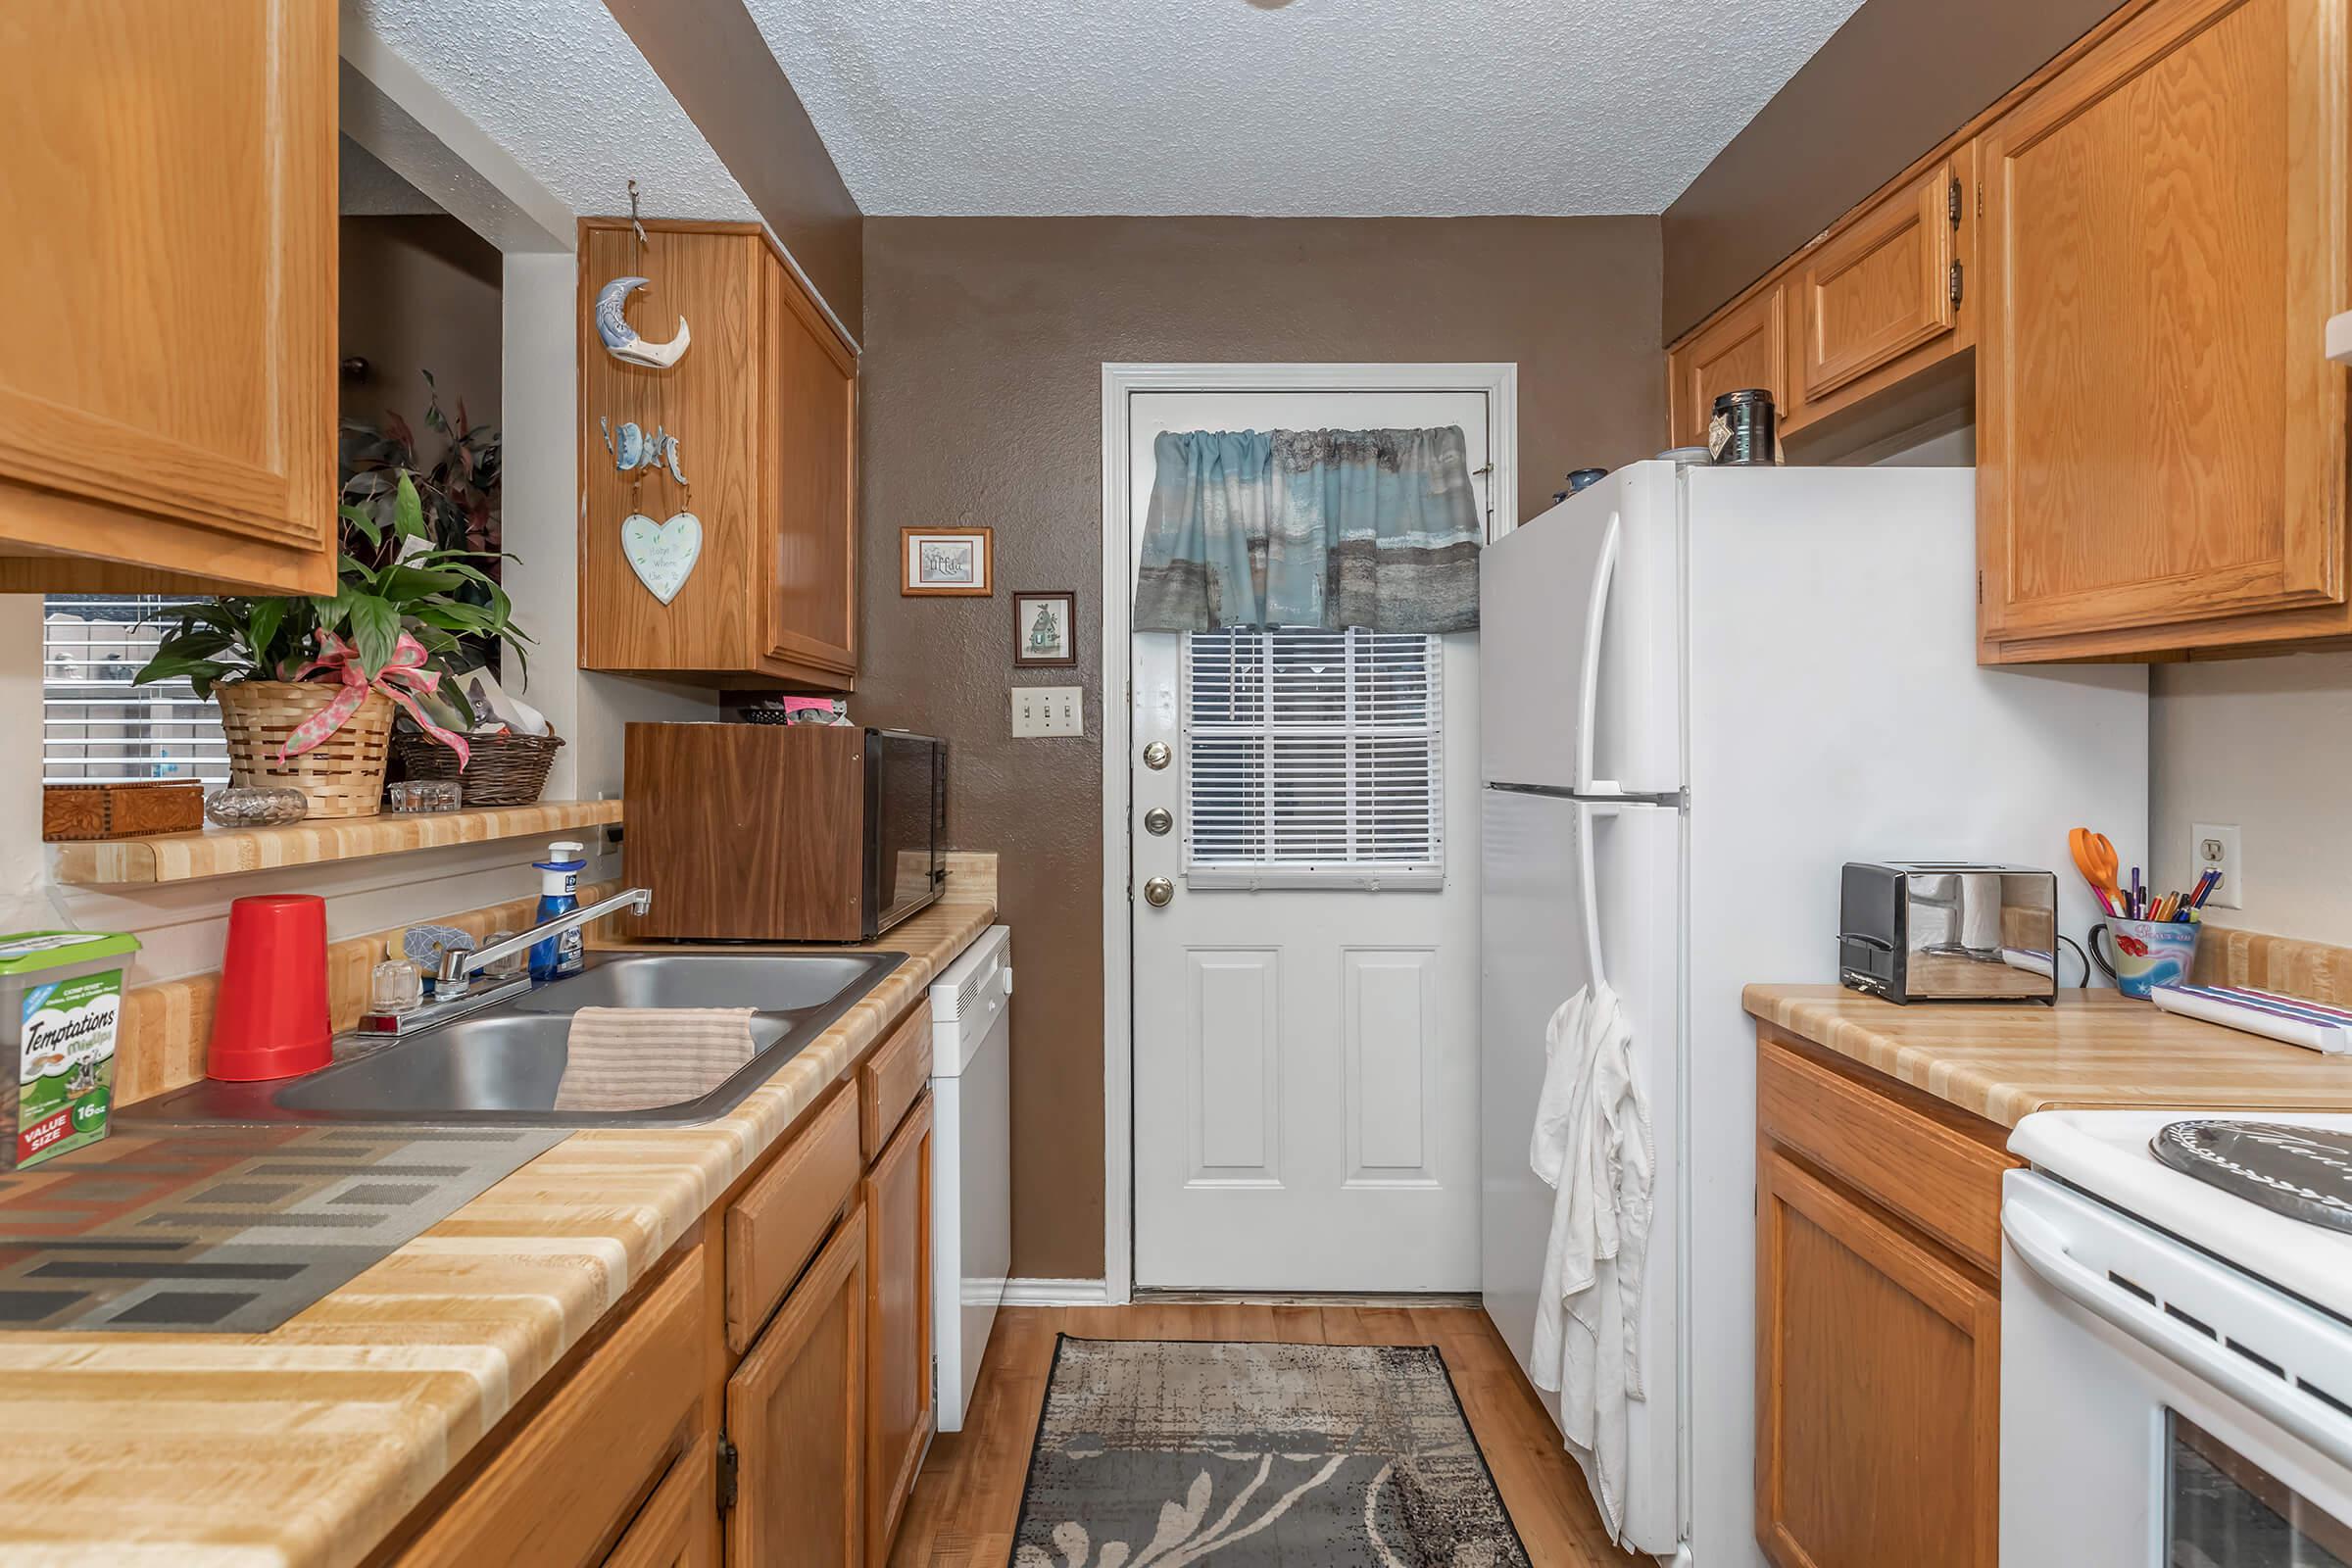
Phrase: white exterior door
pixel 1306 1002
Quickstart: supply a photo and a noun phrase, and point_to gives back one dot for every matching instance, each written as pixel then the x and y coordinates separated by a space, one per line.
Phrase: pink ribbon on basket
pixel 405 670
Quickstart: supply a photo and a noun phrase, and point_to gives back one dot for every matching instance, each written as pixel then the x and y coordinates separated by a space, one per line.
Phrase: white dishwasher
pixel 971 1162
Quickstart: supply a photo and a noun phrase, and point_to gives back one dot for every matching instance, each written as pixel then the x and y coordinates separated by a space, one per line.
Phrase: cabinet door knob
pixel 1156 754
pixel 1159 892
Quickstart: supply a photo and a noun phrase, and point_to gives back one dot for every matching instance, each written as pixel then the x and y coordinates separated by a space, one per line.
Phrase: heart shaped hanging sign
pixel 662 553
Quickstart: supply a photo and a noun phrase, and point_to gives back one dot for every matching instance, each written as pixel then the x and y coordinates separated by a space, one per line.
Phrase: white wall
pixel 2264 744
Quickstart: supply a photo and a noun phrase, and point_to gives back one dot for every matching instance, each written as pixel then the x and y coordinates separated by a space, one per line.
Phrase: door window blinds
pixel 1312 759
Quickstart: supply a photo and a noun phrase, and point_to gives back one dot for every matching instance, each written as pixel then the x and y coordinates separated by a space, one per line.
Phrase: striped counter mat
pixel 230 1229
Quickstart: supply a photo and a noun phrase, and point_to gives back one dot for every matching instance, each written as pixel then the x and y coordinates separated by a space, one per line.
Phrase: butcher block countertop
pixel 309 1444
pixel 2005 1061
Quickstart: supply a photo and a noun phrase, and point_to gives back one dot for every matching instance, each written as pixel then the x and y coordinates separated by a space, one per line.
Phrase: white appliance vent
pixel 2252 1356
pixel 1312 759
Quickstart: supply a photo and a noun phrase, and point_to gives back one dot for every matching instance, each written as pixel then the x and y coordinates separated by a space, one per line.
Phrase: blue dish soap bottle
pixel 559 894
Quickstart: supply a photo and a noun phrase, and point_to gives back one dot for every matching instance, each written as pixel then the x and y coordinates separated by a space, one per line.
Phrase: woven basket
pixel 343 775
pixel 499 771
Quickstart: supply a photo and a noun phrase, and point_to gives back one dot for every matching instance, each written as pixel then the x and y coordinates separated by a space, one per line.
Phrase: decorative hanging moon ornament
pixel 662 553
pixel 621 338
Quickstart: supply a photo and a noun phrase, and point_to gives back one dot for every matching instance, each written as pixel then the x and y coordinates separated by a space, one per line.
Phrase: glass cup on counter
pixel 415 795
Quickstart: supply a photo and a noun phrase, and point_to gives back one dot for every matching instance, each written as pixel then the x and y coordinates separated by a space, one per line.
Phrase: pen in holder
pixel 2147 953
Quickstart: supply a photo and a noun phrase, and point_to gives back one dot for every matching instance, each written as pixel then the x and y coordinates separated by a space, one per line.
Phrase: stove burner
pixel 2302 1172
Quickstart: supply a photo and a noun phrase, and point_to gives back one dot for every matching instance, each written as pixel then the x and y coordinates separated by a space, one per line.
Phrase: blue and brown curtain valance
pixel 1331 528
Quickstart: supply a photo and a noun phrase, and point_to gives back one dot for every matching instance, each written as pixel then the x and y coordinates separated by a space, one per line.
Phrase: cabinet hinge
pixel 1979 588
pixel 1955 283
pixel 1952 201
pixel 726 1473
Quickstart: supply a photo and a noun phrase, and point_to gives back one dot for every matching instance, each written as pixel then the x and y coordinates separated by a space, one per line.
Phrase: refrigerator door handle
pixel 1588 701
pixel 1593 811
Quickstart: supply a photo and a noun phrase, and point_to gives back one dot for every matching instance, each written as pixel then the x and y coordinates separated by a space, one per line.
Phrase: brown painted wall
pixel 1895 79
pixel 981 387
pixel 711 56
pixel 420 293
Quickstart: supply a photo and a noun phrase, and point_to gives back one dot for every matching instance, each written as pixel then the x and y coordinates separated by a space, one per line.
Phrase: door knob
pixel 1157 821
pixel 1158 892
pixel 1156 754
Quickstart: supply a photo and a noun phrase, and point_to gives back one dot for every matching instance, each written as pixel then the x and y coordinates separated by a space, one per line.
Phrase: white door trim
pixel 1120 381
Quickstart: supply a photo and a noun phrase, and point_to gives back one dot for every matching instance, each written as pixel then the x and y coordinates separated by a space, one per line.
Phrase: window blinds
pixel 96 727
pixel 1312 758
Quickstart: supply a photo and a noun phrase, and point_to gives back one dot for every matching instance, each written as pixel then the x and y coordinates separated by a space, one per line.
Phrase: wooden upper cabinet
pixel 763 407
pixel 812 417
pixel 1885 291
pixel 167 376
pixel 2161 439
pixel 1745 346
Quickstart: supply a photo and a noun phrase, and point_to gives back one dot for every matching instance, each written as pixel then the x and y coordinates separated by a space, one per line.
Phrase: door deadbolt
pixel 1159 892
pixel 1157 821
pixel 1156 754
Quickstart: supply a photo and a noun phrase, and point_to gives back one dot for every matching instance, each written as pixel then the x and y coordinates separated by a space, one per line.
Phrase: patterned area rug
pixel 1156 1453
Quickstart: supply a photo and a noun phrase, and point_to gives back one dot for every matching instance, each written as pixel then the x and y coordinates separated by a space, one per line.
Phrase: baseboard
pixel 1056 1293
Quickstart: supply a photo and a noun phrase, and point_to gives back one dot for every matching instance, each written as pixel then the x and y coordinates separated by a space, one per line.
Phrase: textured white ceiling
pixel 563 90
pixel 1328 108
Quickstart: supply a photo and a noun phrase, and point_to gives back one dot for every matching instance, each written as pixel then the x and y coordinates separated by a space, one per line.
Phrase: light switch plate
pixel 1047 710
pixel 2216 847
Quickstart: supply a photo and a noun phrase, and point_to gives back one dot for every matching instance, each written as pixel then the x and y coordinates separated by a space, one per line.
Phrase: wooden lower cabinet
pixel 1877 1386
pixel 796 1417
pixel 658 1448
pixel 570 1486
pixel 898 1395
pixel 679 1526
pixel 1877 1319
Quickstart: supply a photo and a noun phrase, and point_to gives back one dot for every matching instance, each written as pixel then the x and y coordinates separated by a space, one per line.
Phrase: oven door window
pixel 2222 1510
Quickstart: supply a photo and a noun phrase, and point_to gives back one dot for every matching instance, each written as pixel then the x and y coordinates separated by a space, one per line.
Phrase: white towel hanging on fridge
pixel 1592 1146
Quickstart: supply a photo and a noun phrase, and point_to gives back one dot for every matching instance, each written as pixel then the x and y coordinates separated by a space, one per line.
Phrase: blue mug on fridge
pixel 2147 954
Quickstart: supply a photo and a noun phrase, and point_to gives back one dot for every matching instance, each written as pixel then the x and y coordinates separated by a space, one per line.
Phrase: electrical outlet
pixel 1047 710
pixel 2214 848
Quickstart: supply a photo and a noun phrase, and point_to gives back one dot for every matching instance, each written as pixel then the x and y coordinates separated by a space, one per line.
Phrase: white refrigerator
pixel 1702 693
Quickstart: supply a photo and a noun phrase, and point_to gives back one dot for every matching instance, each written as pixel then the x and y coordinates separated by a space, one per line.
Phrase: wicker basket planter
pixel 502 770
pixel 343 775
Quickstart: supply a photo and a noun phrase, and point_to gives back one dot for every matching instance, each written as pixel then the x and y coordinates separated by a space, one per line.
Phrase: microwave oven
pixel 783 832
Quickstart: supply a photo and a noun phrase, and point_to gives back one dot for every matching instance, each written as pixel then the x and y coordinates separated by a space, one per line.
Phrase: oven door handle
pixel 2039 1243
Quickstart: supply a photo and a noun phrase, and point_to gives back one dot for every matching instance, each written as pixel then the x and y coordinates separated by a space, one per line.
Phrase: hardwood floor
pixel 969 1497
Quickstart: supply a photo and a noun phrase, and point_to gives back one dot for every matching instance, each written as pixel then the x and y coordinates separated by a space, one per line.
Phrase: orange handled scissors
pixel 2094 857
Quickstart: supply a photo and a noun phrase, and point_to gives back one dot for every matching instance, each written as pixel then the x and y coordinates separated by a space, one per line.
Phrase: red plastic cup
pixel 270 1019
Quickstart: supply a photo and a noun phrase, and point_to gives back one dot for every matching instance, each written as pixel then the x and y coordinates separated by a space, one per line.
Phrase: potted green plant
pixel 307 685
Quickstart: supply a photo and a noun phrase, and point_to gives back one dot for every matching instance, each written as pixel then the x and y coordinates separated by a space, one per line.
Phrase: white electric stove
pixel 2176 1342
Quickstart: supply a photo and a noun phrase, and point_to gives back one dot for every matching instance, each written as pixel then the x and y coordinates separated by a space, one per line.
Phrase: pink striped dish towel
pixel 634 1059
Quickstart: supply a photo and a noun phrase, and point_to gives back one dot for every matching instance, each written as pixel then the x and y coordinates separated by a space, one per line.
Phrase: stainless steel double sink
pixel 506 1064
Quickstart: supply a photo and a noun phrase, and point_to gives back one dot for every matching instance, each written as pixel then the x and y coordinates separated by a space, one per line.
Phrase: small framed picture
pixel 1045 628
pixel 945 560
